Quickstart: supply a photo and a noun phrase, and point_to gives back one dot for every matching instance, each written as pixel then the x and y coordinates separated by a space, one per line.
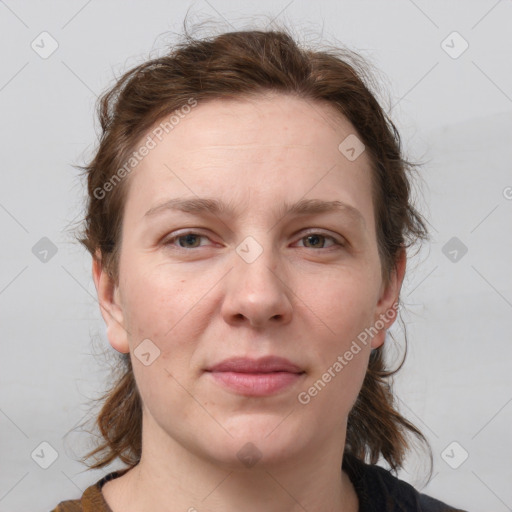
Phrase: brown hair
pixel 231 65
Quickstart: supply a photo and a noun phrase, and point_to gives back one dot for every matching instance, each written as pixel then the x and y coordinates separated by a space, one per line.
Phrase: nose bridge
pixel 257 264
pixel 256 291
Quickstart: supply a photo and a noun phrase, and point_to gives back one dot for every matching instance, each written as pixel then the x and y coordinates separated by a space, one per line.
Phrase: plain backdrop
pixel 451 98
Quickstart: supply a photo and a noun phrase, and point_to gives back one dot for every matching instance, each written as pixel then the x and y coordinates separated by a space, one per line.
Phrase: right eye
pixel 186 240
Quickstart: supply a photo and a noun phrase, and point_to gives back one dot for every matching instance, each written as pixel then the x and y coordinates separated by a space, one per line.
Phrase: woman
pixel 248 218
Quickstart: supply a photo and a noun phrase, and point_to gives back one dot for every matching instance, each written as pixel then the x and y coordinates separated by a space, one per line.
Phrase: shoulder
pixel 69 506
pixel 92 499
pixel 379 490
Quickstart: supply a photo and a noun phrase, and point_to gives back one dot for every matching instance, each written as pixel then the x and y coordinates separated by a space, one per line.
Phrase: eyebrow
pixel 206 205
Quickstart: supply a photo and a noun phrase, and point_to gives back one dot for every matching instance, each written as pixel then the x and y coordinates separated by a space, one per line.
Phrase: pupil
pixel 313 237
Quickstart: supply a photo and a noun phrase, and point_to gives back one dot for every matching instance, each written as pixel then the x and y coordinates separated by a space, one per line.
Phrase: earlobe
pixel 110 306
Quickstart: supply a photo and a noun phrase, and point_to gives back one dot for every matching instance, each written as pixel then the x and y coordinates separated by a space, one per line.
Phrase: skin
pixel 305 299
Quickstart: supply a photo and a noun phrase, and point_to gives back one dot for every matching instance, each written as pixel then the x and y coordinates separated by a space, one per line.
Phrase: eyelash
pixel 170 241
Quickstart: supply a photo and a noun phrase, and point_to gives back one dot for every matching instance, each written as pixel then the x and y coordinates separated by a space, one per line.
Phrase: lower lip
pixel 257 384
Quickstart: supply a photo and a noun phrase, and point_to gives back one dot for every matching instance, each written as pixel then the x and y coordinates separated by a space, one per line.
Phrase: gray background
pixel 455 114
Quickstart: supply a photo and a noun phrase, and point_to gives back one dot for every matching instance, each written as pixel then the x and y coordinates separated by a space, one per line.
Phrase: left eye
pixel 313 239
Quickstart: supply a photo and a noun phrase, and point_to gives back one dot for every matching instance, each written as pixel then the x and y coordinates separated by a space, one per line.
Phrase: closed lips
pixel 269 364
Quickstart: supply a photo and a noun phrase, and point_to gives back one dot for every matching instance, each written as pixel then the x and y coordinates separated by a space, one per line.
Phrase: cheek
pixel 345 309
pixel 334 384
pixel 157 299
pixel 346 304
pixel 168 308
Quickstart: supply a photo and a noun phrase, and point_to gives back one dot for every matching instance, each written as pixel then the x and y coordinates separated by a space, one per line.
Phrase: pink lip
pixel 261 377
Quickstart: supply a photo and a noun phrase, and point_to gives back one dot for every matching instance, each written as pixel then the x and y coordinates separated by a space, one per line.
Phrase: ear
pixel 110 306
pixel 387 306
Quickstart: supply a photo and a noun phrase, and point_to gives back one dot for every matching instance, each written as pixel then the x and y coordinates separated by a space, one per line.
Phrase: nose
pixel 256 294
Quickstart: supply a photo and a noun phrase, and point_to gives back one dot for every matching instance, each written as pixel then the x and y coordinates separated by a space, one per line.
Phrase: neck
pixel 168 473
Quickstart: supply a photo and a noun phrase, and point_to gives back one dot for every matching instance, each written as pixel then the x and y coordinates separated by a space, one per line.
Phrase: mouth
pixel 262 377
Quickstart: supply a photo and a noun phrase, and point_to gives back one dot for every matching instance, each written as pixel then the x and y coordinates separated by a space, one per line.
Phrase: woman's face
pixel 252 278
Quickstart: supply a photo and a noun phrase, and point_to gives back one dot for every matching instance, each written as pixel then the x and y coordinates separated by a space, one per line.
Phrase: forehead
pixel 267 148
pixel 240 123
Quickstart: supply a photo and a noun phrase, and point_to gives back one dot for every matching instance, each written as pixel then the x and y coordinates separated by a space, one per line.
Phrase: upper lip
pixel 268 364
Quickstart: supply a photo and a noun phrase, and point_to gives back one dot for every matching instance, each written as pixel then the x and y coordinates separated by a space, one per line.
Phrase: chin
pixel 258 440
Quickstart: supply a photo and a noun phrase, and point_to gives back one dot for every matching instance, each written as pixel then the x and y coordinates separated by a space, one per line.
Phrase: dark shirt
pixel 377 490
